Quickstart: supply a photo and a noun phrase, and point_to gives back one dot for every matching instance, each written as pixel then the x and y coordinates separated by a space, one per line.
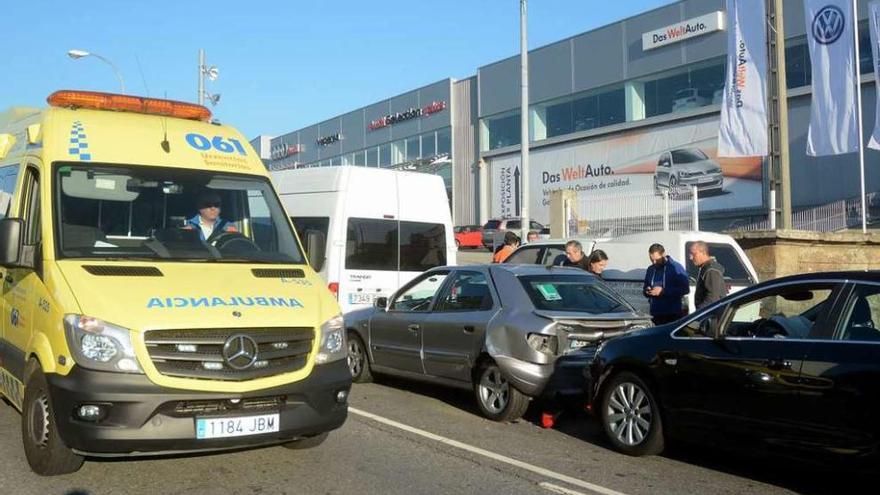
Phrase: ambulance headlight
pixel 332 341
pixel 99 345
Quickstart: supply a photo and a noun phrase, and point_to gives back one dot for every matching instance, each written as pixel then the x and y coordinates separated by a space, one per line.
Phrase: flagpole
pixel 858 79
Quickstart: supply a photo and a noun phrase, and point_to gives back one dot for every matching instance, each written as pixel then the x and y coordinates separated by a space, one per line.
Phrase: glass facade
pixel 677 90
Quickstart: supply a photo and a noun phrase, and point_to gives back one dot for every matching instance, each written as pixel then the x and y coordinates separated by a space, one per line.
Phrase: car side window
pixel 514 224
pixel 704 325
pixel 525 256
pixel 8 178
pixel 861 322
pixel 789 311
pixel 469 291
pixel 418 296
pixel 554 255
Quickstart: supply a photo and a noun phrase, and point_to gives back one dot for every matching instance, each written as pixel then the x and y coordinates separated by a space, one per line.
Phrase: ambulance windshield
pixel 118 212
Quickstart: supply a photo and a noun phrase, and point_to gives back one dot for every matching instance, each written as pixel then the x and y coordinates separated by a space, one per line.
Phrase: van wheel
pixel 497 399
pixel 630 416
pixel 306 443
pixel 45 451
pixel 358 362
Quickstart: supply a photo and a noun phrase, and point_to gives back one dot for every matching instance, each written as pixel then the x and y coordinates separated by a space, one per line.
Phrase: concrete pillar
pixel 563 209
pixel 485 198
pixel 635 100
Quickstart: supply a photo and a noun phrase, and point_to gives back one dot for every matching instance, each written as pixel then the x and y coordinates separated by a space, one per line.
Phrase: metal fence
pixel 612 215
pixel 832 217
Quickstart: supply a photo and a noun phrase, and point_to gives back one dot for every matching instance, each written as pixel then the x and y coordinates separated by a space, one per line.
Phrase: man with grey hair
pixel 574 256
pixel 710 281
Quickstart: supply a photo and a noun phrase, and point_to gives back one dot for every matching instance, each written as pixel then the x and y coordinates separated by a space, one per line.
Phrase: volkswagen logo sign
pixel 828 24
pixel 240 352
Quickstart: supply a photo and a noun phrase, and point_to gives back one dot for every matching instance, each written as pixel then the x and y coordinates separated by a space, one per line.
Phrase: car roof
pixel 516 270
pixel 852 275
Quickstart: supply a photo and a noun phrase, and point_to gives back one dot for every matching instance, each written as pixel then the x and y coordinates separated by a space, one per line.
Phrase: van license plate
pixel 362 298
pixel 236 427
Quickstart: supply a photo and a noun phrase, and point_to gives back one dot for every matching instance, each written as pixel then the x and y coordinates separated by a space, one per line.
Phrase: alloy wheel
pixel 356 357
pixel 494 390
pixel 629 416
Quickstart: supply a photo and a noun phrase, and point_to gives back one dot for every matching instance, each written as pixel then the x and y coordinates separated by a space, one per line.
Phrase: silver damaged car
pixel 508 332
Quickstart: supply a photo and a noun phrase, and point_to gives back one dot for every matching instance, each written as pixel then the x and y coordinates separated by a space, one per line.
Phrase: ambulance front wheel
pixel 45 451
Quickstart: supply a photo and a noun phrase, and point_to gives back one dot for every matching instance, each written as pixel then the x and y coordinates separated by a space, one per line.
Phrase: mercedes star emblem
pixel 240 351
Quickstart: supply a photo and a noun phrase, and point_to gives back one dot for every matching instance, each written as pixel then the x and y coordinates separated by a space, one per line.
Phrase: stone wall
pixel 779 253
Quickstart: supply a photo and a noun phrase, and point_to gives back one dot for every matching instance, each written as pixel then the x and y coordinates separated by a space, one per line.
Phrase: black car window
pixel 580 293
pixel 492 224
pixel 514 225
pixel 469 291
pixel 418 296
pixel 862 315
pixel 527 255
pixel 735 272
pixel 787 311
pixel 704 325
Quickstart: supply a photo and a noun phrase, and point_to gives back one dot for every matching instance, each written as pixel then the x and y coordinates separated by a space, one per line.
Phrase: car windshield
pixel 492 224
pixel 688 156
pixel 578 293
pixel 122 212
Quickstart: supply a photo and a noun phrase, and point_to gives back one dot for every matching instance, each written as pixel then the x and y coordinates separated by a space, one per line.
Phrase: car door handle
pixel 468 329
pixel 414 328
pixel 778 364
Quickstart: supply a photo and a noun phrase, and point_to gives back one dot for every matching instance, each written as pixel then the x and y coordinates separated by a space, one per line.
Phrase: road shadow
pixel 806 477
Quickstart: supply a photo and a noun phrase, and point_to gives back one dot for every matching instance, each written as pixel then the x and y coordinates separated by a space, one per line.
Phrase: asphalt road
pixel 407 438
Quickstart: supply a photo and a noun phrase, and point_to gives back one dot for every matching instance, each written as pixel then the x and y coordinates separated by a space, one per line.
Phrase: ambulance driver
pixel 208 222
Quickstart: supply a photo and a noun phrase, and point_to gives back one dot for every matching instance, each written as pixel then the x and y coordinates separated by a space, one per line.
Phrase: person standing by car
pixel 666 282
pixel 574 256
pixel 532 236
pixel 597 262
pixel 710 281
pixel 511 242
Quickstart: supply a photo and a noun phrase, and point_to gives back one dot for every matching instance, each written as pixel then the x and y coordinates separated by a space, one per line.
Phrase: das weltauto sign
pixel 684 30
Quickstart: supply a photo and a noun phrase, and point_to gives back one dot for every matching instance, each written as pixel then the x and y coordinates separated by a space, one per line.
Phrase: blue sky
pixel 283 64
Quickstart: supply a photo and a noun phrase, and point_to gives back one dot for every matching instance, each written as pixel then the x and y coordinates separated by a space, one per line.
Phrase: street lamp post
pixel 78 54
pixel 524 117
pixel 211 72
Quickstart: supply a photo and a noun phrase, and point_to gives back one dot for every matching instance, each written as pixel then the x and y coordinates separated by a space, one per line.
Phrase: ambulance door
pixel 20 284
pixel 11 360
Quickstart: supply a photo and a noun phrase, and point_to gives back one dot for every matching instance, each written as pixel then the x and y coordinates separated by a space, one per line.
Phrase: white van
pixel 382 227
pixel 628 259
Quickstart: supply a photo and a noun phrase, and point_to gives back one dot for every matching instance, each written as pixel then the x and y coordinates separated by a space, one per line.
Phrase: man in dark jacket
pixel 574 256
pixel 666 282
pixel 710 282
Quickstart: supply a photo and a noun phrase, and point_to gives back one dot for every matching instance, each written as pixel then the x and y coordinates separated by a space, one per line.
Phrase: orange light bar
pixel 124 103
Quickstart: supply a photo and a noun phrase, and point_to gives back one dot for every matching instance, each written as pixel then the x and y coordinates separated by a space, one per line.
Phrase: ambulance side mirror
pixel 316 245
pixel 10 242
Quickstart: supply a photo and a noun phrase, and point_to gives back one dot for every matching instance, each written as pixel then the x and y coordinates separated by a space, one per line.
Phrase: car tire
pixel 358 360
pixel 46 453
pixel 630 416
pixel 497 399
pixel 306 443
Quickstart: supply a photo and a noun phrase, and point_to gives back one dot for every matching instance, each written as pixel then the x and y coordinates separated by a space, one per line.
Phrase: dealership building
pixel 621 110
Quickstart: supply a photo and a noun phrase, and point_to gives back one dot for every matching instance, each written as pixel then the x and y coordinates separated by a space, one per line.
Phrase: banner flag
pixel 833 113
pixel 744 117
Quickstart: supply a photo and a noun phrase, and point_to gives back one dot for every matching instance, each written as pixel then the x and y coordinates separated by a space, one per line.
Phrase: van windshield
pixel 120 212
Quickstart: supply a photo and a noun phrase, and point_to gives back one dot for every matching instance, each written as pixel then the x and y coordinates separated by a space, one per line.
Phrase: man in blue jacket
pixel 208 222
pixel 666 283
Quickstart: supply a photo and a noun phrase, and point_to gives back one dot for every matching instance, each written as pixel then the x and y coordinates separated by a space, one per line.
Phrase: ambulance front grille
pixel 199 353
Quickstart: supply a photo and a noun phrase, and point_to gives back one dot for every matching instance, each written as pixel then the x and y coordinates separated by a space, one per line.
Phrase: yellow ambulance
pixel 155 297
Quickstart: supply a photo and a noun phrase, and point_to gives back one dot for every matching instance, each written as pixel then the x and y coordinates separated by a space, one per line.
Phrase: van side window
pixel 31 208
pixel 8 178
pixel 422 246
pixel 735 271
pixel 371 244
